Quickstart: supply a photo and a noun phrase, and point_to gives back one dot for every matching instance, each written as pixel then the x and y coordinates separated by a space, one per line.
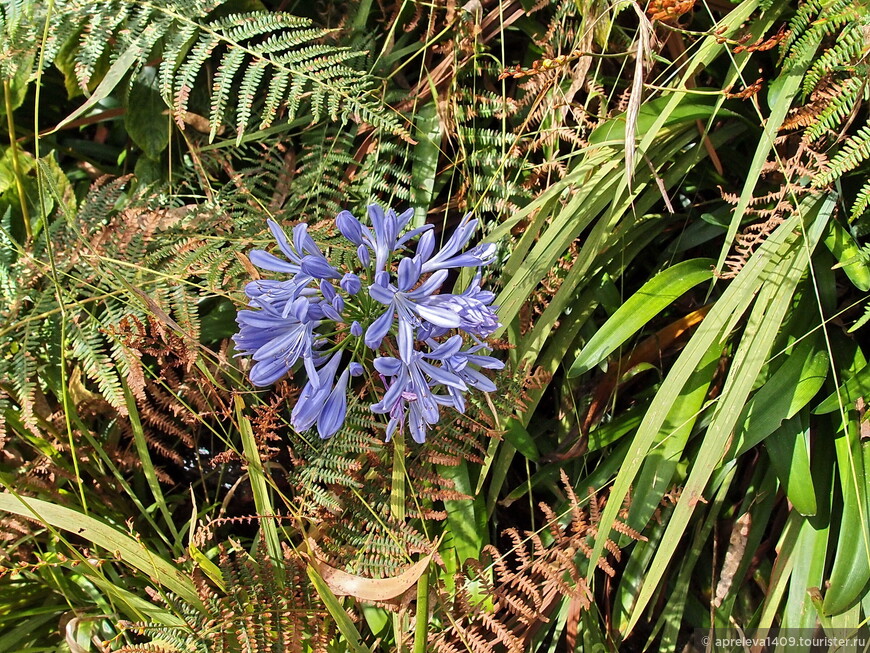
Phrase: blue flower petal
pixel 317 266
pixel 404 218
pixel 327 290
pixel 378 329
pixel 442 376
pixel 430 286
pixel 267 372
pixel 329 311
pixel 281 239
pixel 303 240
pixel 409 274
pixel 377 217
pixel 349 227
pixel 406 340
pixel 417 425
pixel 350 283
pixel 387 365
pixel 362 253
pixel 334 411
pixel 479 381
pixel 445 349
pixel 268 261
pixel 381 294
pixel 411 235
pixel 425 246
pixel 438 316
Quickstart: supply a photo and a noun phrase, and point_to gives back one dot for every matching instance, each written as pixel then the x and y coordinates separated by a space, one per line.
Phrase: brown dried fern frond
pixel 260 609
pixel 806 115
pixel 179 404
pixel 516 591
pixel 772 208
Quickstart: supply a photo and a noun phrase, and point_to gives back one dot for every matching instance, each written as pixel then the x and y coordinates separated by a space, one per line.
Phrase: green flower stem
pixel 421 626
pixel 397 488
pixel 16 164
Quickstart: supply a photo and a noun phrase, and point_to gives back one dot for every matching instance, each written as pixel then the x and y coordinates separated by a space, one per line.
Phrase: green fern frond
pixel 861 203
pixel 814 20
pixel 855 151
pixel 281 45
pixel 185 76
pixel 322 163
pixel 283 57
pixel 22 372
pixel 256 614
pixel 388 174
pixel 842 104
pixel 275 93
pixel 849 47
pixel 861 321
pixel 800 22
pixel 248 93
pixel 89 349
pixel 177 44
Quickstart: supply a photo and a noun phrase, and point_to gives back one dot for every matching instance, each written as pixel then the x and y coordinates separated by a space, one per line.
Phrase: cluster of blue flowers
pixel 385 319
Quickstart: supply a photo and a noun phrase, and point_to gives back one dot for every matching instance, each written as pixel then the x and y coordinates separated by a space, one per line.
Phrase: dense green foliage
pixel 680 196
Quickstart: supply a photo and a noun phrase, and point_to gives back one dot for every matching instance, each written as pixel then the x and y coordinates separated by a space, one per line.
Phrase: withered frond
pixel 259 609
pixel 516 591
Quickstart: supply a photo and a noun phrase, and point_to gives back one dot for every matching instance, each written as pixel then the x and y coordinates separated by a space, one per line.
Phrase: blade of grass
pixel 465 519
pixel 640 308
pixel 144 456
pixel 762 327
pixel 783 90
pixel 125 547
pixel 790 458
pixel 352 638
pixel 259 486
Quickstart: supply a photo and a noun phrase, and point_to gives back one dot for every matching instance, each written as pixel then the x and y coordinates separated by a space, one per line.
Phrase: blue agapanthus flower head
pixel 385 319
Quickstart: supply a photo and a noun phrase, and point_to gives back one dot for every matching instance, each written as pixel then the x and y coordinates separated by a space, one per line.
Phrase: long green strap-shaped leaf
pixel 851 570
pixel 424 160
pixel 790 458
pixel 672 615
pixel 145 459
pixel 847 251
pixel 565 227
pixel 707 50
pixel 790 388
pixel 699 107
pixel 782 246
pixel 735 300
pixel 352 639
pixel 783 265
pixel 592 160
pixel 855 387
pixel 657 473
pixel 465 529
pixel 640 308
pixel 259 486
pixel 784 89
pixel 811 548
pixel 630 238
pixel 114 75
pixel 782 569
pixel 809 568
pixel 125 547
